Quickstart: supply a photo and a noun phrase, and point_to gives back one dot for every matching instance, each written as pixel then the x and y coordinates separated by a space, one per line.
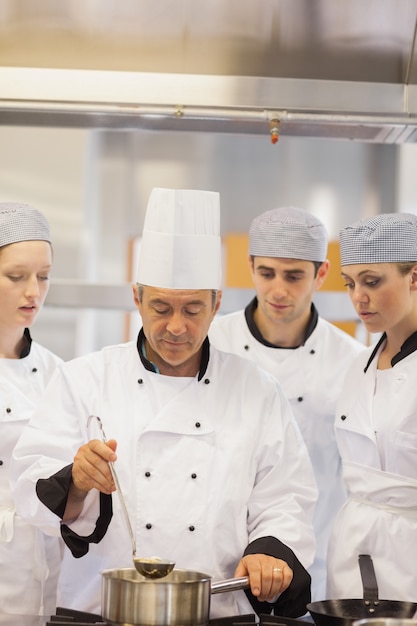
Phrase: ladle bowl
pixel 153 567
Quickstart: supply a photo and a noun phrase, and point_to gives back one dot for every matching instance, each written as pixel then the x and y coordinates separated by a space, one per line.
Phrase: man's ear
pixel 218 301
pixel 135 296
pixel 322 273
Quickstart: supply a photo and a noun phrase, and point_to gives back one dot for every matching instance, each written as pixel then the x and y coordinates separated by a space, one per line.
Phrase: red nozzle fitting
pixel 274 130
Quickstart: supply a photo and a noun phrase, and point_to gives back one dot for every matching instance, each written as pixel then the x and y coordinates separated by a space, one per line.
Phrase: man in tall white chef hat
pixel 281 330
pixel 210 461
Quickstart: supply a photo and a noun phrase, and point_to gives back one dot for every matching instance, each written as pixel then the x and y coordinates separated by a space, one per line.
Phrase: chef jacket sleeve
pixel 53 493
pixel 293 601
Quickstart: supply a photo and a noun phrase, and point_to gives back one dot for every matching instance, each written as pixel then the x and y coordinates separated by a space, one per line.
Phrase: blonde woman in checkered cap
pixel 281 330
pixel 376 419
pixel 29 561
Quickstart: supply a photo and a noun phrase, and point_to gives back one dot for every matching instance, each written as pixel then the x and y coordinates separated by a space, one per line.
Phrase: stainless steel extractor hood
pixel 369 112
pixel 310 68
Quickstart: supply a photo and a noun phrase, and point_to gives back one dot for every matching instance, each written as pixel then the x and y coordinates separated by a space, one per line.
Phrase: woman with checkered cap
pixel 376 419
pixel 29 560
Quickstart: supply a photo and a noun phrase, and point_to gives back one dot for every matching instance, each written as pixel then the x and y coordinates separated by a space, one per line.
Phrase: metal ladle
pixel 152 567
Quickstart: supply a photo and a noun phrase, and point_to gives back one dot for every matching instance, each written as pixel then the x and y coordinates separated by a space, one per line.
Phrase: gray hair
pixel 140 288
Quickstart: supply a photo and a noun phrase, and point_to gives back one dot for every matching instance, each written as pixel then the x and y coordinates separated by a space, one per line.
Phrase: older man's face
pixel 175 323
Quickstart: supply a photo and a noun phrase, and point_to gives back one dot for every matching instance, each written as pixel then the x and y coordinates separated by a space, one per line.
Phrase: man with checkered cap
pixel 281 330
pixel 29 560
pixel 205 444
pixel 376 417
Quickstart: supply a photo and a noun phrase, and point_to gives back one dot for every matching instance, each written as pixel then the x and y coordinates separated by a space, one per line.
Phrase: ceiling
pixel 324 68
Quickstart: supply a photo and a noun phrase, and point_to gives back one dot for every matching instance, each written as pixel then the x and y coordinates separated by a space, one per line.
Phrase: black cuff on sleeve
pixel 53 493
pixel 79 545
pixel 293 602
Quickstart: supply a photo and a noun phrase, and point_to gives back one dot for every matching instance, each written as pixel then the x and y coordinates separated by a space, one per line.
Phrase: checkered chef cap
pixel 290 233
pixel 22 222
pixel 385 238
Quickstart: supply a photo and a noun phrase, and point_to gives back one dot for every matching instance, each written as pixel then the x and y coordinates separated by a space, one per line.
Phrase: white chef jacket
pixel 206 467
pixel 29 560
pixel 311 377
pixel 379 455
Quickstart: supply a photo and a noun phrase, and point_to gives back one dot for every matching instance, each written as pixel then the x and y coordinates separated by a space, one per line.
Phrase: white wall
pixel 93 187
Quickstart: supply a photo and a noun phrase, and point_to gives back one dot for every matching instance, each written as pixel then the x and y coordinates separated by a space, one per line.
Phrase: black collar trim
pixel 148 365
pixel 409 346
pixel 254 330
pixel 28 343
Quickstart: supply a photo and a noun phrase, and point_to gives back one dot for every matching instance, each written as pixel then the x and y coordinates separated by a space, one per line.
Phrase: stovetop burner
pixel 68 617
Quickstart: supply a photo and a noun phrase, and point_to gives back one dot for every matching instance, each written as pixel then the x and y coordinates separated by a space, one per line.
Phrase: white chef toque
pixel 288 233
pixel 22 222
pixel 181 245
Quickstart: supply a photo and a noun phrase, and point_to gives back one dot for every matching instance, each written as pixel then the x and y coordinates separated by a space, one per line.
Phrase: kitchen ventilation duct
pixel 358 111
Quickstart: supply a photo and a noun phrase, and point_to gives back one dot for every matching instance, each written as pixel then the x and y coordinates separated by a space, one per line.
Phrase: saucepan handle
pixel 230 584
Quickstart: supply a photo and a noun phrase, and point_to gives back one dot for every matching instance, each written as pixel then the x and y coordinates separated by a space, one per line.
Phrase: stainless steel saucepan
pixel 180 599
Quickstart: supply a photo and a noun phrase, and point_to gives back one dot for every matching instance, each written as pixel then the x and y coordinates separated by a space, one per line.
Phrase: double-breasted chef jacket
pixel 376 430
pixel 29 560
pixel 311 376
pixel 212 467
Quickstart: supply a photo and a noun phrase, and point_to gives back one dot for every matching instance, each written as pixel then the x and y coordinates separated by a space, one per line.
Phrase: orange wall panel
pixel 334 281
pixel 237 272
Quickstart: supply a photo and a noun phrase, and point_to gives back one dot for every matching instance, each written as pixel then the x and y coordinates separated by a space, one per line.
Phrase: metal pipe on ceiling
pixel 250 114
pixel 331 109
